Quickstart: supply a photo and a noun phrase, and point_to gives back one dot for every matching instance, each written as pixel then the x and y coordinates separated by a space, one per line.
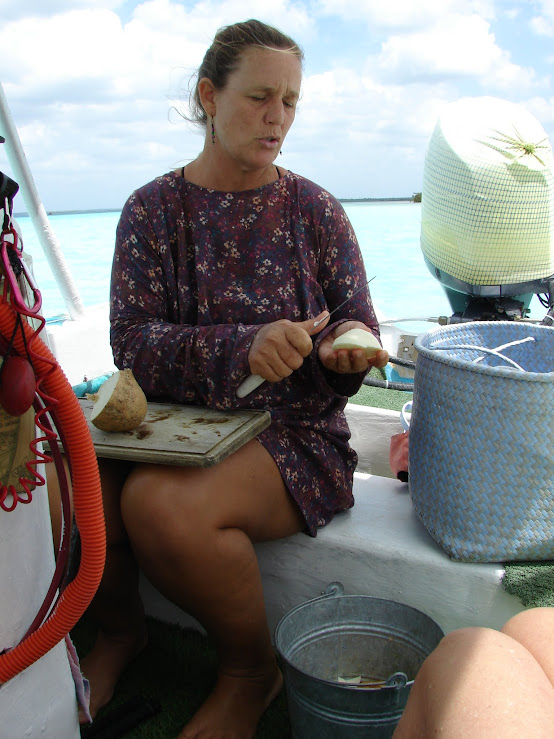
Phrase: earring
pixel 213 132
pixel 281 153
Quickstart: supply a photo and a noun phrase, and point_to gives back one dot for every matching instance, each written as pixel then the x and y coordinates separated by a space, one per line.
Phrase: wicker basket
pixel 481 464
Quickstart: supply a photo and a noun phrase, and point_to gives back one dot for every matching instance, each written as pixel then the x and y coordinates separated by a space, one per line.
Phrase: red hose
pixel 87 502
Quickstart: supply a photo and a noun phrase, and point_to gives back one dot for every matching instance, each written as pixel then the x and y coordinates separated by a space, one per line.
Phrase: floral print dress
pixel 197 271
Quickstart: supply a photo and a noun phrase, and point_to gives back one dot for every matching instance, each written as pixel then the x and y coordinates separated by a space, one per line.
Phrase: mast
pixel 37 213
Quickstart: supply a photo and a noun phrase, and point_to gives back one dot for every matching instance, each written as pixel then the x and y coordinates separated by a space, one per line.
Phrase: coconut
pixel 358 338
pixel 120 404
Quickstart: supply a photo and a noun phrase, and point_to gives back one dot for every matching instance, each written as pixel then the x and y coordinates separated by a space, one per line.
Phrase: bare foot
pixel 234 707
pixel 104 664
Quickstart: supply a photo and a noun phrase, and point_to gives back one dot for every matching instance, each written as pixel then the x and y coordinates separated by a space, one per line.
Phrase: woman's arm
pixel 153 317
pixel 342 272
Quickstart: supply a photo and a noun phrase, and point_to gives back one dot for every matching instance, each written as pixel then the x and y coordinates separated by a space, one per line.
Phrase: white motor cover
pixel 488 194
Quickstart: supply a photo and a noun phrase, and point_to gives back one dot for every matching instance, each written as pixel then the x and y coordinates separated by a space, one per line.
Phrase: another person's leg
pixel 193 532
pixel 480 683
pixel 534 629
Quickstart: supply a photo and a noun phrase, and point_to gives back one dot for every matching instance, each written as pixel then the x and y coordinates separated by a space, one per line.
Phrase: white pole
pixel 37 213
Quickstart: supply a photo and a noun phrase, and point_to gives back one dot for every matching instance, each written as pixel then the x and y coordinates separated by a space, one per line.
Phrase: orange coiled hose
pixel 87 503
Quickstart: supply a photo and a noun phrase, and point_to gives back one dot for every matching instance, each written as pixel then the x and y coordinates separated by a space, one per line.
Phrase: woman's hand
pixel 279 348
pixel 347 361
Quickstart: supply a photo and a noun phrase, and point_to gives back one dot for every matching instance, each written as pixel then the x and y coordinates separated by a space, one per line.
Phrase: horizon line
pixel 25 214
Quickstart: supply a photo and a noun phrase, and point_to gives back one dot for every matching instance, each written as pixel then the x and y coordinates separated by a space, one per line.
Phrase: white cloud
pixel 91 92
pixel 354 133
pixel 10 11
pixel 406 14
pixel 93 44
pixel 543 23
pixel 370 110
pixel 543 110
pixel 454 47
pixel 90 86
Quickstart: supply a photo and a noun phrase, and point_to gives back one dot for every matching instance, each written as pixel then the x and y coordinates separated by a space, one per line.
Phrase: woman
pixel 220 271
pixel 482 683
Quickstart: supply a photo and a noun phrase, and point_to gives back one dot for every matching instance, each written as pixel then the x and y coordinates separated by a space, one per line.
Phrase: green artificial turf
pixel 381 397
pixel 174 674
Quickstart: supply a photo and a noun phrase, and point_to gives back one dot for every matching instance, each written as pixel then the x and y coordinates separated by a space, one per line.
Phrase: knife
pixel 252 382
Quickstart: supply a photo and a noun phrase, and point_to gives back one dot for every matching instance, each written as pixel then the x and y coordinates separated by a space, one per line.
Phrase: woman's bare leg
pixel 535 630
pixel 192 530
pixel 116 607
pixel 479 683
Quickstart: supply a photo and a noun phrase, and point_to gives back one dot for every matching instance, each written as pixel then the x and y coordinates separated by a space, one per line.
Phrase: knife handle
pixel 249 385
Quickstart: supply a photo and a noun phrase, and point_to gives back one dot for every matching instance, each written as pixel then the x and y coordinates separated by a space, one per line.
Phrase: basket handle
pixel 505 346
pixel 495 352
pixel 406 415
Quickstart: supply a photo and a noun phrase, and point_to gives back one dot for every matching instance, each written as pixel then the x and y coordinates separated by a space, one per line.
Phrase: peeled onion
pixel 357 338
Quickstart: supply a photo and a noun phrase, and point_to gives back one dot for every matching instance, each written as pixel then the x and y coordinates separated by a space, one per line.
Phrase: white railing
pixel 37 213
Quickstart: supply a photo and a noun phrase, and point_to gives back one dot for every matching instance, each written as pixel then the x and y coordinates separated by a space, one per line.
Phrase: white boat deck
pixel 377 548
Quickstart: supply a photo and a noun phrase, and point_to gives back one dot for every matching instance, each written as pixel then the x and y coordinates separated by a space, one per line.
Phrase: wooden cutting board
pixel 179 434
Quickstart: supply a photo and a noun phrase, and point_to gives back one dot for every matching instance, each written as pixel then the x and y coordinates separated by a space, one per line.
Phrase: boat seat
pixel 371 430
pixel 378 548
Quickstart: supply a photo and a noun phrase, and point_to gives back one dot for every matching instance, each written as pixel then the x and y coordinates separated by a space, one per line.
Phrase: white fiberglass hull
pixel 40 701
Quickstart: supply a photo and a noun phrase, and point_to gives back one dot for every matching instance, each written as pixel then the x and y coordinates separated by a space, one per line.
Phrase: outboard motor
pixel 487 218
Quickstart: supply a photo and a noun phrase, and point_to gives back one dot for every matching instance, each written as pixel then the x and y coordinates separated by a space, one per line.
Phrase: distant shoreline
pixel 118 210
pixel 71 212
pixel 376 200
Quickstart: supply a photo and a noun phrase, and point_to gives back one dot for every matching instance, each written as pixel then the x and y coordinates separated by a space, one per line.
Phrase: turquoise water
pixel 388 233
pixel 87 242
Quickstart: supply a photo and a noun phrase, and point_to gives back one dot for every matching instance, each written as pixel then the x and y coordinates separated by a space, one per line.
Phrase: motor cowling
pixel 487 220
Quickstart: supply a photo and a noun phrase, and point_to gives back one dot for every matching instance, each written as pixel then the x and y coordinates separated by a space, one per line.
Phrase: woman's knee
pixel 461 639
pixel 469 685
pixel 434 683
pixel 157 511
pixel 452 642
pixel 530 622
pixel 534 630
pixel 464 646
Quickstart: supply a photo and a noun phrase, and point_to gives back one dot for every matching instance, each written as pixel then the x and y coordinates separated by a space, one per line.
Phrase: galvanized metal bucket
pixel 349 663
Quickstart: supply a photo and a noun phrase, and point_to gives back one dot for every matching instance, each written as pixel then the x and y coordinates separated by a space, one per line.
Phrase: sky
pixel 94 86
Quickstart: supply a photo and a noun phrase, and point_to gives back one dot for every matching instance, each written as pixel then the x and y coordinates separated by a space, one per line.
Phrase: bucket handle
pixel 334 589
pixel 495 352
pixel 397 680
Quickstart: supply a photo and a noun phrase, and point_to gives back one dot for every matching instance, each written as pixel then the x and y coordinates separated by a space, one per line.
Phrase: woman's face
pixel 255 110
